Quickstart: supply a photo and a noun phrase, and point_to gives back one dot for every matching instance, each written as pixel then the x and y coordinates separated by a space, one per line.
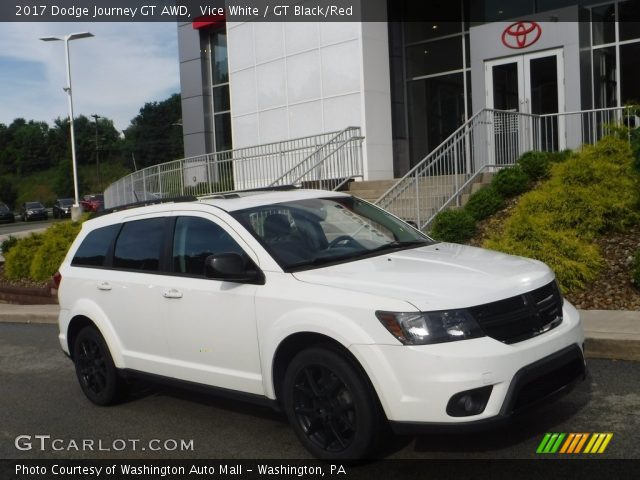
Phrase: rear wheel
pixel 331 406
pixel 95 369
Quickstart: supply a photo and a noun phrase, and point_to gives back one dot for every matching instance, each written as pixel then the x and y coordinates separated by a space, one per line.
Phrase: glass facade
pixel 434 74
pixel 614 44
pixel 216 82
pixel 430 66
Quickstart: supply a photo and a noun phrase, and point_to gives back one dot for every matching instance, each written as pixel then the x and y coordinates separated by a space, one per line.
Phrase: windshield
pixel 34 205
pixel 65 202
pixel 316 232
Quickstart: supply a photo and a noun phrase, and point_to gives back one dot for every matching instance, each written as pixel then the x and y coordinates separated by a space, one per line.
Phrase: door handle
pixel 173 293
pixel 106 286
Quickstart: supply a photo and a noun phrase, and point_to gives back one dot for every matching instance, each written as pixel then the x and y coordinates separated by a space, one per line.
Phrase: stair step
pixel 383 185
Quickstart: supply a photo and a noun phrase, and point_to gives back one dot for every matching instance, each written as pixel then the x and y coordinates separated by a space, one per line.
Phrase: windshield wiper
pixel 399 244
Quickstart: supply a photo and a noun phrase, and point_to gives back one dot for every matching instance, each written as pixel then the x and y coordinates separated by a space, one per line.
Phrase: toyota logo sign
pixel 521 35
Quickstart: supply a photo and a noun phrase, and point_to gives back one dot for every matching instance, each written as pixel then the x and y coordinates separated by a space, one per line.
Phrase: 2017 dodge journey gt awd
pixel 317 303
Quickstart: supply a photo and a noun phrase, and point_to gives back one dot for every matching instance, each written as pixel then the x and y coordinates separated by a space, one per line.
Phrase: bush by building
pixel 535 164
pixel 484 203
pixel 591 193
pixel 511 181
pixel 38 256
pixel 455 226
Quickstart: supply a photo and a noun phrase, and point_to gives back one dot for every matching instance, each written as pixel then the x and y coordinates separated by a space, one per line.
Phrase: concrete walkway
pixel 610 334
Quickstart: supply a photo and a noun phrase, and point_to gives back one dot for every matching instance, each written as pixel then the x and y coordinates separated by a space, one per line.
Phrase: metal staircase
pixel 488 141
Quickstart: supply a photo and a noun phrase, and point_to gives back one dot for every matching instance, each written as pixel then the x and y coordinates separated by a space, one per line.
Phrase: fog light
pixel 469 402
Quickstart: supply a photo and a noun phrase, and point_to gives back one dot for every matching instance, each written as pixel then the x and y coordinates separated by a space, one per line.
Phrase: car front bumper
pixel 415 384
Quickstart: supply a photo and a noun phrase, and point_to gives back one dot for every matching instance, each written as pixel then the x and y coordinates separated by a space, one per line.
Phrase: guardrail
pixel 488 141
pixel 243 168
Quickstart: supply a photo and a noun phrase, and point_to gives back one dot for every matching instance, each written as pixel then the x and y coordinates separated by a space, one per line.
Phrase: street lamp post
pixel 76 210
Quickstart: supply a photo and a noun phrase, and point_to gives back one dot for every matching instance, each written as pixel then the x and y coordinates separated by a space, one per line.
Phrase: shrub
pixel 558 157
pixel 55 243
pixel 38 256
pixel 535 164
pixel 17 261
pixel 574 261
pixel 635 147
pixel 510 182
pixel 7 244
pixel 455 226
pixel 635 270
pixel 484 203
pixel 590 193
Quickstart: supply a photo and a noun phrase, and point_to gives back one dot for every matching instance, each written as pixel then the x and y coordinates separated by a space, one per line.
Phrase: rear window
pixel 94 248
pixel 139 244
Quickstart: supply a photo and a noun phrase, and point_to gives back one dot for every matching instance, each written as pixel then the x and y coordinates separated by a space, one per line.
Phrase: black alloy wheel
pixel 95 369
pixel 331 407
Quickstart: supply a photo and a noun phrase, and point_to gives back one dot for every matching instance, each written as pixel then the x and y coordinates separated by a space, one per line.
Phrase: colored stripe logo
pixel 573 443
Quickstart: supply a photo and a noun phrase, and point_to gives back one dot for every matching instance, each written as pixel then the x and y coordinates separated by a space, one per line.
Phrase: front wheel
pixel 95 369
pixel 331 405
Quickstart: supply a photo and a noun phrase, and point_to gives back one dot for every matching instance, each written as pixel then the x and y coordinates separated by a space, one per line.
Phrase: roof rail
pixel 235 193
pixel 144 203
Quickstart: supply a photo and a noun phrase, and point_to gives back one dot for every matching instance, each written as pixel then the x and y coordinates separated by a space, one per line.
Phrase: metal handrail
pixel 489 140
pixel 310 158
pixel 242 168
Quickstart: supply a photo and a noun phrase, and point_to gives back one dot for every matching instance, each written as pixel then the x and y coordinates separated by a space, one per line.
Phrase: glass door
pixel 533 85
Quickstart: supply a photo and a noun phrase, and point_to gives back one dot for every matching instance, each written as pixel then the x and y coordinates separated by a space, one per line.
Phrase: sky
pixel 113 74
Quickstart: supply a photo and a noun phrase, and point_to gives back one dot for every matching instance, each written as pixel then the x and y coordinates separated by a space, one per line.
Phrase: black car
pixel 34 211
pixel 6 215
pixel 62 207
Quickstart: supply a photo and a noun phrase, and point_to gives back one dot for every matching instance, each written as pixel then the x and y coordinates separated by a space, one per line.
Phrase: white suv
pixel 317 303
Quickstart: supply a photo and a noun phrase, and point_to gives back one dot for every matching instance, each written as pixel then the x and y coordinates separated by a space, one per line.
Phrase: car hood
pixel 436 277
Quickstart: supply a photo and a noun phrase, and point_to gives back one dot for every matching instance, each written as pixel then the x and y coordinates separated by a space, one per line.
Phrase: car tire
pixel 331 405
pixel 96 372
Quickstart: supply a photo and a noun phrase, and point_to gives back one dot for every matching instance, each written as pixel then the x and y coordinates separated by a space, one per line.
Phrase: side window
pixel 139 245
pixel 194 240
pixel 94 248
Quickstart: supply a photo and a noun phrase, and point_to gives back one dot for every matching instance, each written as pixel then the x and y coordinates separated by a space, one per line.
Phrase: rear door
pixel 132 292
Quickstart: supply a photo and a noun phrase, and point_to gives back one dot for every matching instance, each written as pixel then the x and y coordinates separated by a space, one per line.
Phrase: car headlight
pixel 424 328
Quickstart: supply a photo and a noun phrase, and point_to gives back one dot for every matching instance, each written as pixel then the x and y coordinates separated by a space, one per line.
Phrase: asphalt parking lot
pixel 39 395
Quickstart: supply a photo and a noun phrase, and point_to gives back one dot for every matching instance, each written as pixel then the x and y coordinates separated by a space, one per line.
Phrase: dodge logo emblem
pixel 521 35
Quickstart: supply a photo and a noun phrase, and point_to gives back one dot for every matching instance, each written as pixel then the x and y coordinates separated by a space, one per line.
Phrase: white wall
pixel 291 80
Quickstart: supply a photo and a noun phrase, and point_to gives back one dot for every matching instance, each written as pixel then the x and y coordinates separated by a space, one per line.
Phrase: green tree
pixel 154 135
pixel 8 192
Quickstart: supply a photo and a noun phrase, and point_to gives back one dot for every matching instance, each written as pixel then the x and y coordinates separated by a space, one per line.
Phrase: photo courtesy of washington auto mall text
pixel 359 239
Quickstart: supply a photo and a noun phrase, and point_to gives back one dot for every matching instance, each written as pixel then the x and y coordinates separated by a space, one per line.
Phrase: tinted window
pixel 94 248
pixel 194 240
pixel 139 245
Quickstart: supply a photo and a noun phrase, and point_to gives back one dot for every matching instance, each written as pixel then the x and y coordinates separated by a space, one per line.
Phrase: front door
pixel 530 84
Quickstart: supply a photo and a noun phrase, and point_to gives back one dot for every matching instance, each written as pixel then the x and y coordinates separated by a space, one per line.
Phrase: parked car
pixel 318 303
pixel 34 211
pixel 62 207
pixel 6 214
pixel 93 202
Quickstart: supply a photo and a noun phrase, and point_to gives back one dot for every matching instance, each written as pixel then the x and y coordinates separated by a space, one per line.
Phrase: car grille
pixel 522 317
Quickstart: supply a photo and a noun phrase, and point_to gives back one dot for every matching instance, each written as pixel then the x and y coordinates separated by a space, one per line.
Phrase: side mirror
pixel 231 267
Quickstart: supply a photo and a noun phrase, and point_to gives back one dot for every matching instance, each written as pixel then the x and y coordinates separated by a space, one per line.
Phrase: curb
pixel 612 349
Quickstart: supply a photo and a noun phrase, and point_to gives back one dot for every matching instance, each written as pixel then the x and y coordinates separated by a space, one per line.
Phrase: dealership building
pixel 406 85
